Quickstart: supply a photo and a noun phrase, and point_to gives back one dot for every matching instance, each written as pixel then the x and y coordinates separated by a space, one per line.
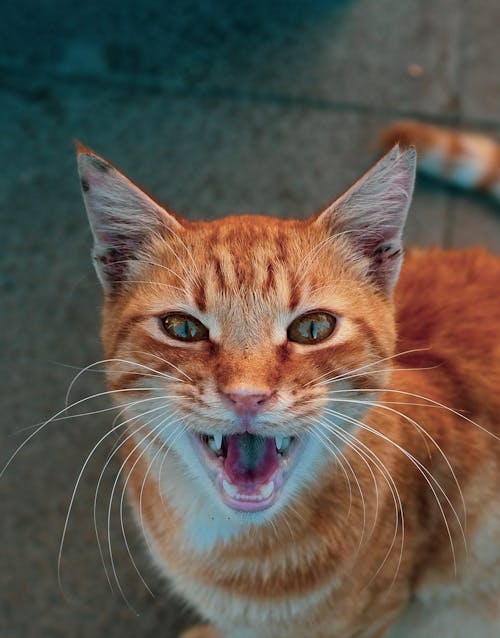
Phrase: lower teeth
pixel 264 492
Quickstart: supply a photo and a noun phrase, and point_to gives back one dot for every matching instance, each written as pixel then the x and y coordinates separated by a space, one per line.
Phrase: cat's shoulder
pixel 438 269
pixel 449 297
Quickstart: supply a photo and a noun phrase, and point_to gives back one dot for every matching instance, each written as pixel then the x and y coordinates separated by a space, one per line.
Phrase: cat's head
pixel 239 343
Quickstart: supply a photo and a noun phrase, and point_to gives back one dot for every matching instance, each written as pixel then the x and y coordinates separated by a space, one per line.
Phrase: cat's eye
pixel 311 328
pixel 184 327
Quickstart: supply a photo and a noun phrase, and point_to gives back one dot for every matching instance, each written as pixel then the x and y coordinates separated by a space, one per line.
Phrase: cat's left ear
pixel 370 216
pixel 123 218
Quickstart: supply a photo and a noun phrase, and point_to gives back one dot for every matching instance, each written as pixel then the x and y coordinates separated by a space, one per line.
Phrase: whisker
pixel 162 427
pixel 197 278
pixel 116 360
pixel 363 367
pixel 427 475
pixel 77 483
pixel 284 518
pixel 296 512
pixel 347 376
pixel 148 469
pixel 154 263
pixel 327 443
pixel 175 436
pixel 62 411
pixel 362 456
pixel 166 424
pixel 113 490
pixel 338 431
pixel 160 471
pixel 144 374
pixel 189 276
pixel 432 401
pixel 124 438
pixel 70 416
pixel 157 356
pixel 121 441
pixel 423 432
pixel 335 452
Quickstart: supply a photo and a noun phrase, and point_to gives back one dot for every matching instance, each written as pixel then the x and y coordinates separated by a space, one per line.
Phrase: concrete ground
pixel 215 108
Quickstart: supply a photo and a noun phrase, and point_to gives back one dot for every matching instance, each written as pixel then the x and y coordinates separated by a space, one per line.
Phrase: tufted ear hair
pixel 122 217
pixel 370 215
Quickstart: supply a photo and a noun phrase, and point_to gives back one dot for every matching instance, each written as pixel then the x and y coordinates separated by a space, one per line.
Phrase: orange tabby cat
pixel 311 455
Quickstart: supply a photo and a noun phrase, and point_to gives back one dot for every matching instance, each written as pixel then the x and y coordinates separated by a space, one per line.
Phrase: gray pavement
pixel 215 108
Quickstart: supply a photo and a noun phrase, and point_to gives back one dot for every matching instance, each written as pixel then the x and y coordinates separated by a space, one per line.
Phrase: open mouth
pixel 248 470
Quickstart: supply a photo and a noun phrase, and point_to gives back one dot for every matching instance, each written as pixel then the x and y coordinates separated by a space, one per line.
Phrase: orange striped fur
pixel 465 159
pixel 388 523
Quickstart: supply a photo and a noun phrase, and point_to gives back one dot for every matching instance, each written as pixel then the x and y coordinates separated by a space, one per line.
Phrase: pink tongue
pixel 250 459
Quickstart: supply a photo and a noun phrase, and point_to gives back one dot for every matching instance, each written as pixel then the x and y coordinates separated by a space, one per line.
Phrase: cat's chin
pixel 248 471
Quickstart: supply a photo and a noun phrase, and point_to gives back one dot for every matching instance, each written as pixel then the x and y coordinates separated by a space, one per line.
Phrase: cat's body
pixel 374 512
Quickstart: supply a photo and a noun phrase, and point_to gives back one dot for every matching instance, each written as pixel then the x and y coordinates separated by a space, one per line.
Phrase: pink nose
pixel 247 401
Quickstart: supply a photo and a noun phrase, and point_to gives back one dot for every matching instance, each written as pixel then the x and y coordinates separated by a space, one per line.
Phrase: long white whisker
pixel 65 409
pixel 423 471
pixel 347 376
pixel 113 452
pixel 76 416
pixel 424 398
pixel 189 275
pixel 166 422
pixel 328 443
pixel 335 453
pixel 77 483
pixel 113 490
pixel 149 468
pixel 423 433
pixel 178 433
pixel 363 367
pixel 197 278
pixel 337 430
pixel 116 360
pixel 156 356
pixel 352 444
pixel 155 263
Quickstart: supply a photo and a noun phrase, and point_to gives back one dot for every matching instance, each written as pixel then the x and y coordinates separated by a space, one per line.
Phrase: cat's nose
pixel 249 401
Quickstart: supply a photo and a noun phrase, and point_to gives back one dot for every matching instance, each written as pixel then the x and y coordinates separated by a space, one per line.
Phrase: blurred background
pixel 215 108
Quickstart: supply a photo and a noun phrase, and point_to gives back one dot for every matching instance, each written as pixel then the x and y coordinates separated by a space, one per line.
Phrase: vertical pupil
pixel 182 329
pixel 313 329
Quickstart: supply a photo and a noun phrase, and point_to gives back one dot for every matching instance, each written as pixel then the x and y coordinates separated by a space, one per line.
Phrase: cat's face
pixel 243 335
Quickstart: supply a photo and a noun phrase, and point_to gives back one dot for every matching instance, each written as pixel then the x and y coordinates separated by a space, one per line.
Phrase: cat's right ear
pixel 123 218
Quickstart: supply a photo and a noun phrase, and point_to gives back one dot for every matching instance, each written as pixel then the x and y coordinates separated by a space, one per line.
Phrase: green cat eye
pixel 311 328
pixel 184 327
